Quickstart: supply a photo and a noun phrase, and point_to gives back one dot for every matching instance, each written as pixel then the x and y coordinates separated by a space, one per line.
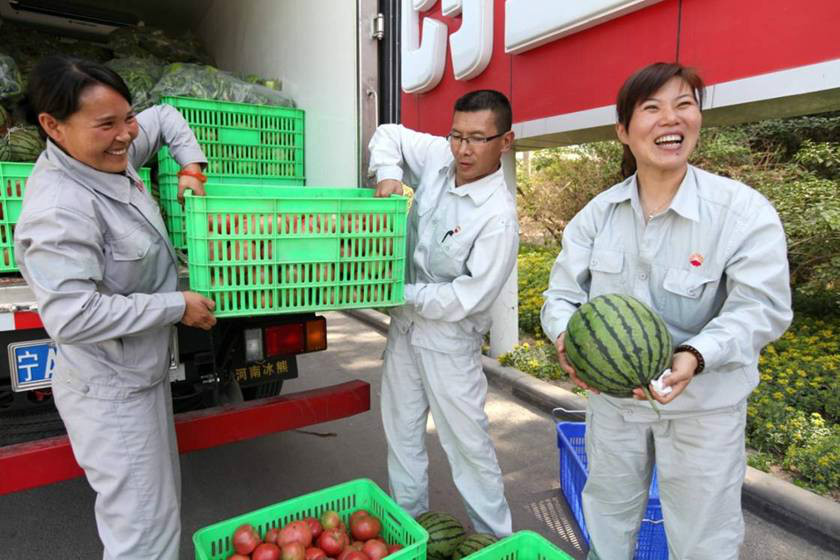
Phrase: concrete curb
pixel 813 517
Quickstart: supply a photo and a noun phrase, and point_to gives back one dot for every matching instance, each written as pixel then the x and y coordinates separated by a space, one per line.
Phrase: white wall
pixel 311 46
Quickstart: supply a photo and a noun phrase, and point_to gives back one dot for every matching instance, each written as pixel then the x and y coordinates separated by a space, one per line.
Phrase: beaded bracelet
pixel 701 363
pixel 191 173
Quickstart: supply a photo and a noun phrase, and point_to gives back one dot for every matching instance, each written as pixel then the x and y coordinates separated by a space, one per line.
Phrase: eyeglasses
pixel 472 140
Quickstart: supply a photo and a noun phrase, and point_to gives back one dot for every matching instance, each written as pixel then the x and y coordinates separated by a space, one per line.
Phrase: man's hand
pixel 387 187
pixel 683 366
pixel 186 182
pixel 199 311
pixel 560 344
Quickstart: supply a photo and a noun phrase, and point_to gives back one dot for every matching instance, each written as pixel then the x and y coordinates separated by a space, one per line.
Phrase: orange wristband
pixel 190 173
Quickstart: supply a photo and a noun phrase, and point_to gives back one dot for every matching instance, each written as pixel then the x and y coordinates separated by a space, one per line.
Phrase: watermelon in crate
pixel 616 343
pixel 24 144
pixel 472 544
pixel 445 534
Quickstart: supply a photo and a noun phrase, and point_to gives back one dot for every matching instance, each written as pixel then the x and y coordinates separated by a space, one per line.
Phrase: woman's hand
pixel 387 187
pixel 192 183
pixel 683 366
pixel 560 344
pixel 199 311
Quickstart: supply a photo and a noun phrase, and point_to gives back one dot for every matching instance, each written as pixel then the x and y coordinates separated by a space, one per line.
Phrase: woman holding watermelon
pixel 91 244
pixel 708 254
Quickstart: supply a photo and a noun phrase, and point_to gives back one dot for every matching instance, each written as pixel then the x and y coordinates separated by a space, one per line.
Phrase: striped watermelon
pixel 445 534
pixel 617 343
pixel 473 543
pixel 25 144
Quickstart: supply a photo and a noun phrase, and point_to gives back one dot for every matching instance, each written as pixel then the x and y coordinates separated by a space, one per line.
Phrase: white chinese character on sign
pixel 50 363
pixel 26 365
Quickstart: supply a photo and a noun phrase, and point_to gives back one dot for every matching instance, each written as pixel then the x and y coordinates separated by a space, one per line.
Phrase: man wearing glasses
pixel 462 241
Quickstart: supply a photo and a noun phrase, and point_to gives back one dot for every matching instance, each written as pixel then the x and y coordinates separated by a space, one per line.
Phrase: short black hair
pixel 57 82
pixel 484 99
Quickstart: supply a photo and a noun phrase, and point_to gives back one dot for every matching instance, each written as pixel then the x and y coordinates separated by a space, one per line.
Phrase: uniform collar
pixel 479 191
pixel 686 202
pixel 112 185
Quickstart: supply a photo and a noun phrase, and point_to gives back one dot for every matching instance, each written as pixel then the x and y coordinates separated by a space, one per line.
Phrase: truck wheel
pixel 29 425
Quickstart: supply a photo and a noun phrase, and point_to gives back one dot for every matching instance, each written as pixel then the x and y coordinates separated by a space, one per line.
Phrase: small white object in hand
pixel 658 386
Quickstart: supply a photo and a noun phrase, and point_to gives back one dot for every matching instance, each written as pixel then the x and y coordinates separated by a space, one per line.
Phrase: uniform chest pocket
pixel 692 299
pixel 447 259
pixel 130 263
pixel 606 270
pixel 132 247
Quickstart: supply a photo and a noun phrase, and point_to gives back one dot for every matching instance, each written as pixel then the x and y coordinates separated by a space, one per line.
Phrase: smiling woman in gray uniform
pixel 92 245
pixel 709 255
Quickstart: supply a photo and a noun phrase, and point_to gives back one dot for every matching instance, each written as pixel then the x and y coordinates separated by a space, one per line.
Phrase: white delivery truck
pixel 332 62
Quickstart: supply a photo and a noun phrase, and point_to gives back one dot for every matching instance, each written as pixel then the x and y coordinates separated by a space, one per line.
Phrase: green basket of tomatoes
pixel 355 520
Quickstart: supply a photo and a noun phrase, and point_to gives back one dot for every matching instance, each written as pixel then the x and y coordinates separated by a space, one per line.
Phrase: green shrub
pixel 801 371
pixel 794 413
pixel 539 359
pixel 534 268
pixel 760 461
pixel 817 459
pixel 786 136
pixel 822 158
pixel 558 182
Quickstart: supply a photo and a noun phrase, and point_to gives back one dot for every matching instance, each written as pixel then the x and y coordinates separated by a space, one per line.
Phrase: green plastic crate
pixel 173 212
pixel 13 178
pixel 243 143
pixel 259 251
pixel 215 542
pixel 522 545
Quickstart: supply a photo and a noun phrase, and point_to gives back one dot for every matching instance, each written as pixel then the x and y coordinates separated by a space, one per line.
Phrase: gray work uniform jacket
pixel 94 249
pixel 461 242
pixel 713 265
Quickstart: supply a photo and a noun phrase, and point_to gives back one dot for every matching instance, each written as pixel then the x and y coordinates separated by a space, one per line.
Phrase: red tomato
pixel 330 519
pixel 296 531
pixel 314 526
pixel 357 514
pixel 293 551
pixel 266 551
pixel 375 549
pixel 393 548
pixel 245 539
pixel 332 542
pixel 365 528
pixel 315 553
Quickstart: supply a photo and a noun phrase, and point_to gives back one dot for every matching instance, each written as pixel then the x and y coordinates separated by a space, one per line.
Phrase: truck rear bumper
pixel 38 463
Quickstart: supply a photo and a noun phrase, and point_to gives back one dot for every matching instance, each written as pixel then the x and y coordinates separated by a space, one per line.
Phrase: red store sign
pixel 561 63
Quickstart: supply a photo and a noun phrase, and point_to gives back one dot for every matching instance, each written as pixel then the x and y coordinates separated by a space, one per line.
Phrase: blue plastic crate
pixel 652 544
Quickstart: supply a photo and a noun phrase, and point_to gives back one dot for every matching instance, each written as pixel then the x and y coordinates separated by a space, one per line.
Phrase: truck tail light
pixel 316 334
pixel 253 345
pixel 284 340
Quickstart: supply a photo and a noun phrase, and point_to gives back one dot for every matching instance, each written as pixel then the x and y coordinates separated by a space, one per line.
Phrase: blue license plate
pixel 32 364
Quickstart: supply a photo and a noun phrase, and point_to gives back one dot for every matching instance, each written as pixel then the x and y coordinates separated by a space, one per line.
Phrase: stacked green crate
pixel 257 250
pixel 13 178
pixel 244 145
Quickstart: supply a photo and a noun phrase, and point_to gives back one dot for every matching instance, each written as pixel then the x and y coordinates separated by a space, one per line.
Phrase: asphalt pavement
pixel 57 521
